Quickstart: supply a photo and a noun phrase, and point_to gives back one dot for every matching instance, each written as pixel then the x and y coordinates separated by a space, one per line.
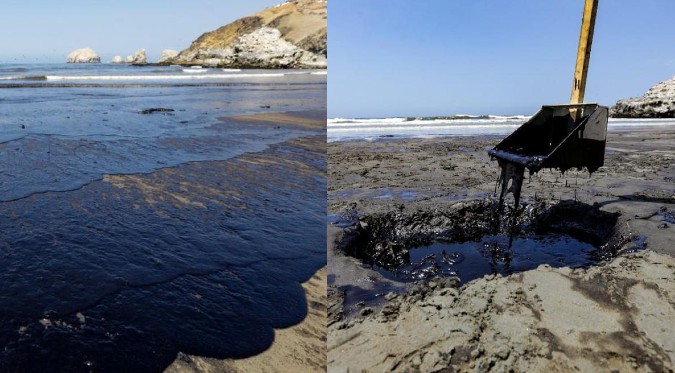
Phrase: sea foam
pixel 347 129
pixel 159 77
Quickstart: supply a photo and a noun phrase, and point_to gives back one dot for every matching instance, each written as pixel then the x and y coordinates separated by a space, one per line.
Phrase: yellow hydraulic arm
pixel 584 53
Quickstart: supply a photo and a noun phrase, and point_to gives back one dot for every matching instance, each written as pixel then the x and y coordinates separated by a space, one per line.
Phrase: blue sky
pixel 47 30
pixel 440 57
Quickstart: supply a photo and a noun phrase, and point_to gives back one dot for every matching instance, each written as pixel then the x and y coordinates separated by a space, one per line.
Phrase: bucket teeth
pixel 511 180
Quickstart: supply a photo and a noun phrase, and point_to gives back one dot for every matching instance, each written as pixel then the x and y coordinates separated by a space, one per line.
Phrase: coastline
pixel 615 315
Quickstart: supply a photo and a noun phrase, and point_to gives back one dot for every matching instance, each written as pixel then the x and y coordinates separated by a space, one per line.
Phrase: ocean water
pixel 128 235
pixel 373 129
pixel 96 111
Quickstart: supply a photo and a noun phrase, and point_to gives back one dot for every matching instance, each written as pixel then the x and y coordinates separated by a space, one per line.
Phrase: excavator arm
pixel 583 54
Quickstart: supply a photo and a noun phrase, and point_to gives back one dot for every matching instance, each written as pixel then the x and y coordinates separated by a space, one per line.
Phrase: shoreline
pixel 615 314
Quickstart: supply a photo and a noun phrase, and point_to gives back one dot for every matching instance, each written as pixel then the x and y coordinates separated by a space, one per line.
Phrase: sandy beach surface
pixel 615 316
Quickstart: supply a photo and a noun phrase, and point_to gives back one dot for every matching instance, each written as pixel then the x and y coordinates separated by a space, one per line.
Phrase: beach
pixel 613 313
pixel 150 216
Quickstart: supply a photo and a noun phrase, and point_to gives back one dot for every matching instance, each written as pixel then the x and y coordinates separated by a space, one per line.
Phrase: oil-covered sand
pixel 301 347
pixel 616 314
pixel 133 271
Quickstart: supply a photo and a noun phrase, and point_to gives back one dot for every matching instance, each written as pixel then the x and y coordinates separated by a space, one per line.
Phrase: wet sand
pixel 617 316
pixel 315 120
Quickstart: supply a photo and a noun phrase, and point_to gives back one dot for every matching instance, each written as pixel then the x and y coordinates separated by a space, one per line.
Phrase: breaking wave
pixel 160 77
pixel 347 129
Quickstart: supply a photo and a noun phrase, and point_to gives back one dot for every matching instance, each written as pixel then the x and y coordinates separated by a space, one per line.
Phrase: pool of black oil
pixel 490 255
pixel 122 274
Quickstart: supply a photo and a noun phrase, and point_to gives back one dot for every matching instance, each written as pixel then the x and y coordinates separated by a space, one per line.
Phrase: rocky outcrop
pixel 117 59
pixel 83 55
pixel 167 55
pixel 290 35
pixel 658 102
pixel 139 58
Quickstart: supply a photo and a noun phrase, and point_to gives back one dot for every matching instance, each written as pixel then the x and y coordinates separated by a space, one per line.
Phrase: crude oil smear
pixel 203 258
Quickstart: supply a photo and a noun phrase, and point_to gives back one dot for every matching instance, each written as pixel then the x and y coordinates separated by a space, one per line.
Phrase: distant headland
pixel 289 35
pixel 657 102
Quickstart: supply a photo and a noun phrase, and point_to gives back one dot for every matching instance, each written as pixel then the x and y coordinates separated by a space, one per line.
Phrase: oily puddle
pixel 491 254
pixel 464 242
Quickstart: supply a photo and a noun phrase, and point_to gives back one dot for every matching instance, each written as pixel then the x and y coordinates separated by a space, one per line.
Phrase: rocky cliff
pixel 658 102
pixel 289 35
pixel 167 55
pixel 83 55
pixel 138 58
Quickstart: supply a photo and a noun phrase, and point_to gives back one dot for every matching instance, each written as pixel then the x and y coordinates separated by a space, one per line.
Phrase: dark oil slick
pixel 122 246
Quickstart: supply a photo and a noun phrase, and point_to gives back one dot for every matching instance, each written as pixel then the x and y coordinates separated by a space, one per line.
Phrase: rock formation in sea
pixel 83 55
pixel 139 58
pixel 167 54
pixel 658 102
pixel 117 59
pixel 289 35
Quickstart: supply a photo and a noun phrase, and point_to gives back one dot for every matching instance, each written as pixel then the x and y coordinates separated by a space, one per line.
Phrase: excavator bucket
pixel 557 136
